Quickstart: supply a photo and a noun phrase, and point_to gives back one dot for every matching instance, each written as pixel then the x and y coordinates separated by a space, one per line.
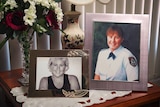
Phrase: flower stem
pixel 3 42
pixel 62 31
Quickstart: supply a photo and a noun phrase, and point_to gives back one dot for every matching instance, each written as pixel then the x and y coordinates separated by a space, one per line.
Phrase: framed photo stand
pixel 53 65
pixel 136 33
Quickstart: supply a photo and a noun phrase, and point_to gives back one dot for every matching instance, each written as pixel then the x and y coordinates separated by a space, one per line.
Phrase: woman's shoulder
pixel 104 51
pixel 43 83
pixel 126 51
pixel 72 77
pixel 44 79
pixel 73 80
pixel 127 54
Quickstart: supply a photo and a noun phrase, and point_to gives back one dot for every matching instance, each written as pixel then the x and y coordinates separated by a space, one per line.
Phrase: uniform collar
pixel 115 52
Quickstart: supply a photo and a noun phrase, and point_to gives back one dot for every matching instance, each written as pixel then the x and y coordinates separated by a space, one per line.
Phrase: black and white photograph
pixel 59 73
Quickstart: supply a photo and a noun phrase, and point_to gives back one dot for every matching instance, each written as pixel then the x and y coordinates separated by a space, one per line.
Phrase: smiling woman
pixel 58 72
pixel 126 68
pixel 59 80
pixel 118 51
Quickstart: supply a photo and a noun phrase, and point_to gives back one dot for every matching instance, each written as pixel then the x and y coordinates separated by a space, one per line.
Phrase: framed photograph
pixel 59 73
pixel 118 49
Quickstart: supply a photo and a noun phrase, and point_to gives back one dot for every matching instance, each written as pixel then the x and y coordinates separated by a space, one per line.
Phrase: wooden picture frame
pixel 40 67
pixel 136 28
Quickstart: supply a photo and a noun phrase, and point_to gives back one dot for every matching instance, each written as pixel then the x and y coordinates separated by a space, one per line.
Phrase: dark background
pixel 131 33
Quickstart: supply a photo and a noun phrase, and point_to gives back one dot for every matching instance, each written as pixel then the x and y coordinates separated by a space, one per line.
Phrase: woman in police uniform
pixel 116 63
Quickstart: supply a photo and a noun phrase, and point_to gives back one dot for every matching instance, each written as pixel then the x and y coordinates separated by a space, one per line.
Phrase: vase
pixel 25 42
pixel 73 36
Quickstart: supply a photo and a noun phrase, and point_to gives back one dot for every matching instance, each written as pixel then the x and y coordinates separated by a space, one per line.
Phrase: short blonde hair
pixel 53 59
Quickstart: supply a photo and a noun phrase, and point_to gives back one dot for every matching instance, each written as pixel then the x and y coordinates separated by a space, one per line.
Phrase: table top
pixel 11 77
pixel 8 80
pixel 135 98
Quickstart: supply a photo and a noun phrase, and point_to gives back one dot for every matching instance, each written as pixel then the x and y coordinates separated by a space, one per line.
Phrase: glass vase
pixel 25 41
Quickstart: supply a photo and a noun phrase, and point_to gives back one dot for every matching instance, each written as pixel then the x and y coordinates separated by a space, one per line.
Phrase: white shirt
pixel 123 68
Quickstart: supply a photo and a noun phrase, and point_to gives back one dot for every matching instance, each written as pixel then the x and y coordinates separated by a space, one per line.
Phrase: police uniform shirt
pixel 120 66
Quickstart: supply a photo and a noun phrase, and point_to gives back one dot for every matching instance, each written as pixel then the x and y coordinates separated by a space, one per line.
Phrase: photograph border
pixel 143 20
pixel 34 54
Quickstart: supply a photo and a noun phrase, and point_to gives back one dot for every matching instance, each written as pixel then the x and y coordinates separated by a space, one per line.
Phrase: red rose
pixel 15 20
pixel 51 19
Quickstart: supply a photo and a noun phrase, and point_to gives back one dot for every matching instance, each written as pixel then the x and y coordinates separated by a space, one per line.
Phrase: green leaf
pixel 40 29
pixel 40 26
pixel 42 22
pixel 2 2
pixel 14 35
pixel 39 11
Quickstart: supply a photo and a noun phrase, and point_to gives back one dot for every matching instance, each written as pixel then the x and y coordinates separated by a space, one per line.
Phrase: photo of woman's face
pixel 57 67
pixel 114 40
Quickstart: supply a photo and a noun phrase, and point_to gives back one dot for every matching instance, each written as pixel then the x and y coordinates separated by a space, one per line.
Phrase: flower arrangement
pixel 19 19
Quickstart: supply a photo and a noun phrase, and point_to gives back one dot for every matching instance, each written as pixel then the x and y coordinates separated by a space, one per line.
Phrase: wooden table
pixel 8 80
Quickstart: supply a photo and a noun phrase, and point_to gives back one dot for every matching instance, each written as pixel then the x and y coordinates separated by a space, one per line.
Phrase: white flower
pixel 45 3
pixel 59 13
pixel 54 4
pixel 12 4
pixel 60 17
pixel 30 15
pixel 38 1
pixel 58 10
pixel 25 1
